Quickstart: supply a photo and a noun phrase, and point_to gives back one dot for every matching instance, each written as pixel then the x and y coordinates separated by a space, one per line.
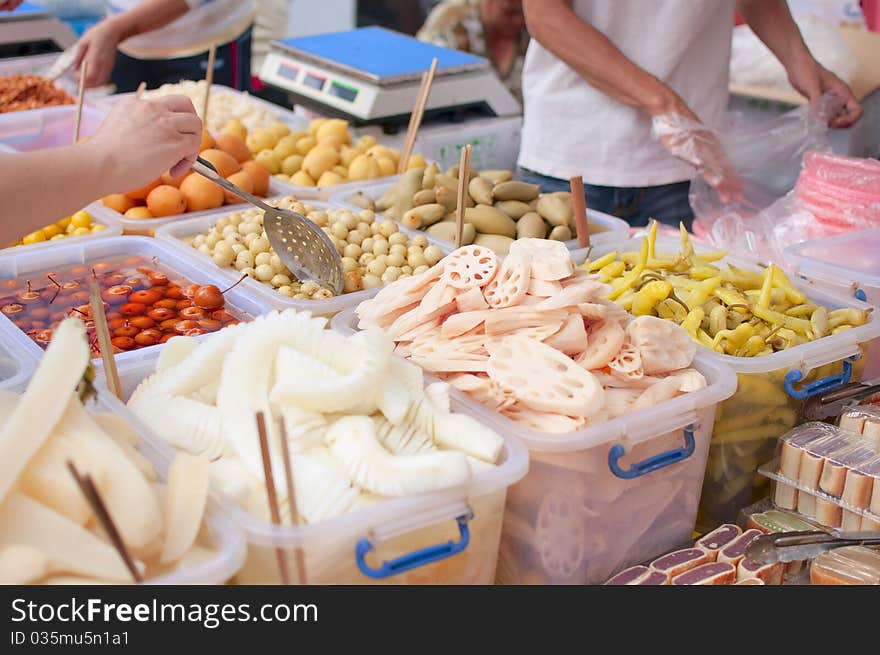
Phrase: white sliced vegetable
pixel 58 374
pixel 305 430
pixel 405 439
pixel 116 427
pixel 203 365
pixel 232 478
pixel 22 564
pixel 322 488
pixel 186 495
pixel 8 402
pixel 175 351
pixel 67 546
pixel 352 442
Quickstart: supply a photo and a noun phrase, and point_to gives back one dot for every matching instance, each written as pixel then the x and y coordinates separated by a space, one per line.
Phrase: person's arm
pixel 98 45
pixel 772 22
pixel 137 142
pixel 9 5
pixel 555 25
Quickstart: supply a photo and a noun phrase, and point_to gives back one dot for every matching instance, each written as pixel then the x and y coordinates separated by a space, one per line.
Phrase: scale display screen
pixel 288 71
pixel 348 93
pixel 314 81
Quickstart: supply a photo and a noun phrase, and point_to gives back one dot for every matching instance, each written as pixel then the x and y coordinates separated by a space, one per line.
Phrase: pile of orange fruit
pixel 171 196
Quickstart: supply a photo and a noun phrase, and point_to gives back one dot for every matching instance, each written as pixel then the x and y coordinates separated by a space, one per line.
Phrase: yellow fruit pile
pixel 323 156
pixel 76 225
pixel 171 196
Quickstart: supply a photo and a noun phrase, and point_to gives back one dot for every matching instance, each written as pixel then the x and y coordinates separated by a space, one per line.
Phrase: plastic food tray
pixel 769 398
pixel 174 233
pixel 845 264
pixel 226 536
pixel 114 229
pixel 167 259
pixel 444 537
pixel 50 127
pixel 16 367
pixel 36 65
pixel 600 499
pixel 615 228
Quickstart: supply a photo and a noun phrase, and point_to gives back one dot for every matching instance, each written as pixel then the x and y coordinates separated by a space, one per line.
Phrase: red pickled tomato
pixel 101 267
pixel 116 323
pixel 142 322
pixel 113 280
pixel 133 309
pixel 169 324
pixel 223 316
pixel 123 343
pixel 10 285
pixel 132 261
pixel 174 292
pixel 149 337
pixel 161 313
pixel 26 297
pixel 39 325
pixel 158 279
pixel 192 312
pixel 40 312
pixel 166 338
pixel 194 332
pixel 208 297
pixel 210 324
pixel 79 270
pixel 135 282
pixel 190 290
pixel 125 331
pixel 168 303
pixel 43 336
pixel 182 304
pixel 69 287
pixel 111 315
pixel 181 327
pixel 146 297
pixel 116 294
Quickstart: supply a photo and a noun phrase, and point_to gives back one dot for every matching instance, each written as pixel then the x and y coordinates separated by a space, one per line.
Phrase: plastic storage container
pixel 227 539
pixel 34 264
pixel 600 499
pixel 51 127
pixel 37 65
pixel 174 233
pixel 614 229
pixel 769 398
pixel 113 229
pixel 845 264
pixel 445 537
pixel 16 367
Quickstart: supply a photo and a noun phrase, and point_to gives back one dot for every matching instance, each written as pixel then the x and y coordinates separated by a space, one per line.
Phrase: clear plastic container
pixel 114 229
pixel 174 233
pixel 37 65
pixel 167 259
pixel 51 127
pixel 446 537
pixel 614 229
pixel 227 539
pixel 847 264
pixel 600 499
pixel 16 367
pixel 770 395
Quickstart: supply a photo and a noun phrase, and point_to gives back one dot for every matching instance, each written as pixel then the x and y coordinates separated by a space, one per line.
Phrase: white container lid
pixel 847 259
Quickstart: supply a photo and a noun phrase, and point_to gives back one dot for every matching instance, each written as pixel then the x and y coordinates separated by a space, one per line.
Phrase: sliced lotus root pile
pixel 664 348
pixel 469 267
pixel 561 534
pixel 543 378
pixel 604 341
pixel 550 260
pixel 627 363
pixel 511 284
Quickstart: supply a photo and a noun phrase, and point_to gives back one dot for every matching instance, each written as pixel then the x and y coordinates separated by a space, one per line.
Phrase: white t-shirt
pixel 571 128
pixel 207 22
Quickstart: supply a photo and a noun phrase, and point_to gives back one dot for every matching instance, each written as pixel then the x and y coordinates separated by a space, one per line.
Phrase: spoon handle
pixel 206 169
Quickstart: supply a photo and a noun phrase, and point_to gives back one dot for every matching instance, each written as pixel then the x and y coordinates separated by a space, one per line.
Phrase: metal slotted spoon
pixel 302 246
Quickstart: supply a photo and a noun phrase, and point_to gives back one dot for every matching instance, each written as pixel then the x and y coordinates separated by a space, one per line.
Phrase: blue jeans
pixel 667 203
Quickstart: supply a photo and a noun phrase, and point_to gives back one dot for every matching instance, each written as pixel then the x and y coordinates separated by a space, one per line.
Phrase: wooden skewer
pixel 209 80
pixel 140 90
pixel 270 492
pixel 90 491
pixel 291 500
pixel 103 333
pixel 464 169
pixel 79 101
pixel 415 119
pixel 579 207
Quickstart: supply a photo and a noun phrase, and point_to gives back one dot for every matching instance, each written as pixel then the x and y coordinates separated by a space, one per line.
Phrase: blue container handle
pixel 861 295
pixel 416 558
pixel 654 463
pixel 818 387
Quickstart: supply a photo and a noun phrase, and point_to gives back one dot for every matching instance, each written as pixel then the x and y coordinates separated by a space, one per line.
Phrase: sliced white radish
pixel 322 488
pixel 116 427
pixel 232 478
pixel 175 351
pixel 403 439
pixel 186 495
pixel 203 365
pixel 22 564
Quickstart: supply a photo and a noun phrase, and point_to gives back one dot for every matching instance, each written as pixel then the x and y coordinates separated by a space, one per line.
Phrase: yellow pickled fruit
pixel 364 167
pixel 296 136
pixel 320 159
pixel 292 165
pixel 64 222
pixel 286 147
pixel 302 178
pixel 236 128
pixel 34 237
pixel 305 144
pixel 416 161
pixel 81 219
pixel 260 140
pixel 98 227
pixel 51 231
pixel 58 236
pixel 270 161
pixel 316 124
pixel 366 142
pixel 381 151
pixel 282 177
pixel 333 140
pixel 329 178
pixel 279 129
pixel 341 171
pixel 347 155
pixel 334 128
pixel 386 165
pixel 80 231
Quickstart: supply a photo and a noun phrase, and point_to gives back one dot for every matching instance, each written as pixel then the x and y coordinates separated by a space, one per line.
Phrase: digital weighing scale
pixel 31 30
pixel 372 76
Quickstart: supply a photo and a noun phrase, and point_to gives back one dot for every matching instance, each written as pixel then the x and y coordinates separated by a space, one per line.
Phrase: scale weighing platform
pixel 32 30
pixel 372 76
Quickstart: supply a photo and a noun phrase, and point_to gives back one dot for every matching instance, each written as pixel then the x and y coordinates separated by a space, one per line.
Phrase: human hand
pixel 141 139
pixel 691 141
pixel 812 80
pixel 9 5
pixel 97 48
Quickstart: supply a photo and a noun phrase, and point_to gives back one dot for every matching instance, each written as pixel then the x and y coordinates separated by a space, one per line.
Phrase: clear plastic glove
pixel 699 146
